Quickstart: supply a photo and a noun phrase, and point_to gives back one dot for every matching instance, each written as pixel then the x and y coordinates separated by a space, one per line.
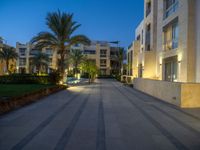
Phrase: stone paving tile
pixel 101 116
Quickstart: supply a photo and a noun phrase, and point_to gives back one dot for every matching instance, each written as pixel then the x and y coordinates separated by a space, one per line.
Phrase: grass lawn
pixel 12 90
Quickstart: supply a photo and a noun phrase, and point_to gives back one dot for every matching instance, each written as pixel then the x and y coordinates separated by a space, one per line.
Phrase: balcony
pixel 103 55
pixel 89 52
pixel 103 65
pixel 170 45
pixel 148 8
pixel 172 9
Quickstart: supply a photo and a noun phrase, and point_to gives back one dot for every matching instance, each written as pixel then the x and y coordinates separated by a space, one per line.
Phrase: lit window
pixel 171 36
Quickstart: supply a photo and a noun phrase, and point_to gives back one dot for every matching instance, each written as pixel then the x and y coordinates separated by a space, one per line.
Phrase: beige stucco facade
pixel 171 51
pixel 169 35
pixel 186 17
pixel 26 52
pixel 100 52
pixel 104 54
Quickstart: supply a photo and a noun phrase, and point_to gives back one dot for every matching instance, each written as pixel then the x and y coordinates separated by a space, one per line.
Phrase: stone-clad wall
pixel 185 95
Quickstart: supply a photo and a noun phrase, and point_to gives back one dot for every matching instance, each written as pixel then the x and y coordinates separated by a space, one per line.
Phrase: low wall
pixel 185 95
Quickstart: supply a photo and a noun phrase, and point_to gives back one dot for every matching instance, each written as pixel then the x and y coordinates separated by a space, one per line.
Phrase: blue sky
pixel 101 19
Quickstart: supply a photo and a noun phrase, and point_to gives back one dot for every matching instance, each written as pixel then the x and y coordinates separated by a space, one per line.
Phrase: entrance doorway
pixel 170 69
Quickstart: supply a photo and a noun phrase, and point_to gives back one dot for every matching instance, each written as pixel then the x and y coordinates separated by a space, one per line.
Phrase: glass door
pixel 170 72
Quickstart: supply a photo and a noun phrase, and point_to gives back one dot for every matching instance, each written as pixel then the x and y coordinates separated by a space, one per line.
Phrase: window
pixel 142 37
pixel 49 52
pixel 103 63
pixel 175 36
pixel 90 52
pixel 170 69
pixel 170 6
pixel 103 53
pixel 103 72
pixel 34 52
pixel 171 36
pixel 148 8
pixel 22 61
pixel 131 63
pixel 148 37
pixel 138 38
pixel 22 51
pixel 140 71
pixel 128 60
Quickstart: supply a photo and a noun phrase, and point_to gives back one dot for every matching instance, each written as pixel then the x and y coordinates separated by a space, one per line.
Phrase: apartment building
pixel 178 50
pixel 169 58
pixel 26 53
pixel 102 53
pixel 135 53
pixel 170 43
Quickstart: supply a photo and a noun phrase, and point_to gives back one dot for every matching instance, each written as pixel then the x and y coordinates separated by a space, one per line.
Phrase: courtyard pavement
pixel 103 116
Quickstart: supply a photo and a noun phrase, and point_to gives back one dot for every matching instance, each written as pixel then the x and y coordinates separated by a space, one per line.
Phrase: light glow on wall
pixel 180 57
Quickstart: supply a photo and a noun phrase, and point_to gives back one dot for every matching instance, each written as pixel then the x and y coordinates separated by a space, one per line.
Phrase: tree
pixel 120 58
pixel 40 61
pixel 90 68
pixel 76 57
pixel 7 54
pixel 61 37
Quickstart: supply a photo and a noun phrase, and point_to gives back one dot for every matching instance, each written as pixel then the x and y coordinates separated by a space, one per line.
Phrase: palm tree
pixel 76 57
pixel 61 37
pixel 7 54
pixel 120 58
pixel 40 61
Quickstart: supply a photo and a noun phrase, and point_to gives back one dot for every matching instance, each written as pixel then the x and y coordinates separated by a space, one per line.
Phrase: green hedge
pixel 52 78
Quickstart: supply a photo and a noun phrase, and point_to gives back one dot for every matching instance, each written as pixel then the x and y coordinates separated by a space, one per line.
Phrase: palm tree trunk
pixel 7 66
pixel 62 68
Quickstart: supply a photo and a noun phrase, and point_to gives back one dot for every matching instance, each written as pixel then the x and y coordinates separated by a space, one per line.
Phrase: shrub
pixel 24 79
pixel 55 77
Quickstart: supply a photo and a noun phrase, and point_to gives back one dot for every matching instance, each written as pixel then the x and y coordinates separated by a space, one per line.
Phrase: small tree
pixel 7 54
pixel 120 57
pixel 90 68
pixel 76 58
pixel 40 61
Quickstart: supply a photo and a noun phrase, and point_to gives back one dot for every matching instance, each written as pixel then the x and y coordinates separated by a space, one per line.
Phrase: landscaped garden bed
pixel 13 96
pixel 17 90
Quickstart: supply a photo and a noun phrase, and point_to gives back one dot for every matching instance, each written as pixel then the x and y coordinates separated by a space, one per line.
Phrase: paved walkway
pixel 103 116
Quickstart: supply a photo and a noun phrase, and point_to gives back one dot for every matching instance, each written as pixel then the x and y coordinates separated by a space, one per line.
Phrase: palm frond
pixel 44 39
pixel 79 39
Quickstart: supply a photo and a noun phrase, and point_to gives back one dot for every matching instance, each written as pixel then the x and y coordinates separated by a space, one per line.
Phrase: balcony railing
pixel 103 65
pixel 170 45
pixel 172 9
pixel 148 11
pixel 103 55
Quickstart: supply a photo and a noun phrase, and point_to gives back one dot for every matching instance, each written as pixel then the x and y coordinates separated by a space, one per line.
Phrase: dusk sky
pixel 107 20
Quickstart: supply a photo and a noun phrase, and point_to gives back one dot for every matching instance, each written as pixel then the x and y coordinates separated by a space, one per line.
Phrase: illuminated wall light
pixel 180 56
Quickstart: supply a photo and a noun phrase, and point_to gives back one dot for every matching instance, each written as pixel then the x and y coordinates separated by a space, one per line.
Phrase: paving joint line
pixel 156 124
pixel 64 140
pixel 101 141
pixel 22 143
